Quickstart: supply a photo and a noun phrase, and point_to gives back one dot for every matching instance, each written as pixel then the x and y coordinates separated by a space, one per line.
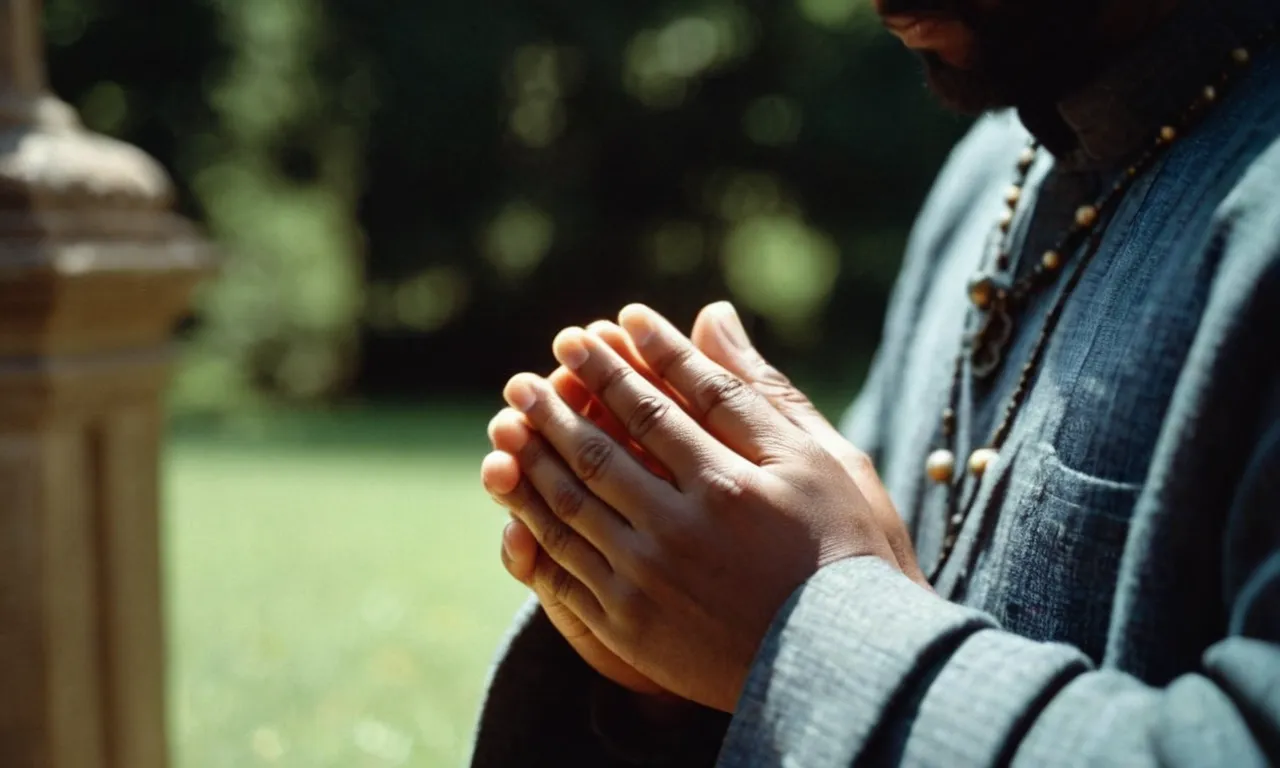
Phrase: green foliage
pixel 399 185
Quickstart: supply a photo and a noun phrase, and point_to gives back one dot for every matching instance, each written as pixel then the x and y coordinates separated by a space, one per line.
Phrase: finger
pixel 719 333
pixel 576 395
pixel 587 456
pixel 559 540
pixel 669 434
pixel 519 551
pixel 595 412
pixel 620 341
pixel 570 389
pixel 509 431
pixel 564 492
pixel 570 604
pixel 732 411
pixel 613 335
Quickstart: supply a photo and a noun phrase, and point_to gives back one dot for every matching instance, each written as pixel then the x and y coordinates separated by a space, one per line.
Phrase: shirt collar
pixel 1103 124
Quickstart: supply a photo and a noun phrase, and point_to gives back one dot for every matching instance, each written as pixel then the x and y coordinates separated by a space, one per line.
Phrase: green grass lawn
pixel 334 590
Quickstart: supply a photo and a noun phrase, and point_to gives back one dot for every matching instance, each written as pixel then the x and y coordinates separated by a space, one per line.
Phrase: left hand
pixel 682 579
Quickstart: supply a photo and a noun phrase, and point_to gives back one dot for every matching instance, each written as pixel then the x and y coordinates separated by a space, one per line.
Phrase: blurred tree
pixel 440 186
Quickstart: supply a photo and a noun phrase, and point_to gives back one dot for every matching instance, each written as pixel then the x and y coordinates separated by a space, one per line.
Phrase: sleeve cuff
pixel 844 649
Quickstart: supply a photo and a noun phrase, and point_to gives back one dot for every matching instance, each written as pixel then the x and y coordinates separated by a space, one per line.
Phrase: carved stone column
pixel 94 271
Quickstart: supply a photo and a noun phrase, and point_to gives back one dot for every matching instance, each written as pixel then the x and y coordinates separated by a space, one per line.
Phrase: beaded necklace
pixel 998 299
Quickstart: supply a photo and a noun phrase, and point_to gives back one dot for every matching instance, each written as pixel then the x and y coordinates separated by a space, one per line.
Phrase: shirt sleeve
pixel 865 667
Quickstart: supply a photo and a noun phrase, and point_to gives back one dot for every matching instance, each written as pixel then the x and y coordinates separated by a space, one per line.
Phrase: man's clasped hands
pixel 668 495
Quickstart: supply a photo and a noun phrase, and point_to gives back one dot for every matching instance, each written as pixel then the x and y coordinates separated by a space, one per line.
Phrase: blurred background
pixel 411 199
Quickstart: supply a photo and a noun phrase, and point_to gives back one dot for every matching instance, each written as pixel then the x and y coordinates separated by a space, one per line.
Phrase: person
pixel 1052 535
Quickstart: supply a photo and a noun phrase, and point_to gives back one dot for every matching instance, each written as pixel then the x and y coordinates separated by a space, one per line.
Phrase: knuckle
pixel 593 458
pixel 774 386
pixel 649 411
pixel 720 389
pixel 567 500
pixel 560 585
pixel 532 453
pixel 556 540
pixel 677 358
pixel 612 378
pixel 778 388
pixel 768 376
pixel 725 488
pixel 859 462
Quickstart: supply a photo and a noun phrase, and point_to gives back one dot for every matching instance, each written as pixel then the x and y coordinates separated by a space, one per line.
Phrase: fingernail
pixel 520 395
pixel 570 350
pixel 637 322
pixel 520 438
pixel 515 432
pixel 731 325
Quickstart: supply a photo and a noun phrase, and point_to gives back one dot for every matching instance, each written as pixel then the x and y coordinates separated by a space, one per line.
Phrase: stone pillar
pixel 94 271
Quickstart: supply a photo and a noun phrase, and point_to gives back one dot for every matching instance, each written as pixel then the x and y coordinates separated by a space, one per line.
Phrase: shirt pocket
pixel 1064 552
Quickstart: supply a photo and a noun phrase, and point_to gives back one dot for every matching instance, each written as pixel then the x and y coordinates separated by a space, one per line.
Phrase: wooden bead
pixel 1168 133
pixel 957 520
pixel 1026 159
pixel 1240 55
pixel 1086 215
pixel 1210 93
pixel 982 290
pixel 940 466
pixel 981 460
pixel 1013 194
pixel 1051 260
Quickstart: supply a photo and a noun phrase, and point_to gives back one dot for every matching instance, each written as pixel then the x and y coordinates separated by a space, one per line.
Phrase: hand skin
pixel 521 555
pixel 756 505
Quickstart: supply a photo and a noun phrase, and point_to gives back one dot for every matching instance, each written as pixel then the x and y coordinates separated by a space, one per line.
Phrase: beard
pixel 1024 51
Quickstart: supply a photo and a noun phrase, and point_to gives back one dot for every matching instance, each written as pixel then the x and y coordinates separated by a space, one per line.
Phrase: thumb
pixel 719 333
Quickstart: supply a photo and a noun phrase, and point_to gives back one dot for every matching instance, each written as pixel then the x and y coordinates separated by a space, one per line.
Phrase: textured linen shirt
pixel 1114 594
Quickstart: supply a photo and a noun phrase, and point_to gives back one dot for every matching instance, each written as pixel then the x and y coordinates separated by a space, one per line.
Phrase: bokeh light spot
pixel 772 120
pixel 781 268
pixel 518 239
pixel 676 248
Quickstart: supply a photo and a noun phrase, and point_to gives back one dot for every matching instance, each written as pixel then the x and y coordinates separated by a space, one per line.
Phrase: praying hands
pixel 669 496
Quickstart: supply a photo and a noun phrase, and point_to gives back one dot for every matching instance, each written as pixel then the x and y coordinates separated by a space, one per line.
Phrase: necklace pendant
pixel 989 343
